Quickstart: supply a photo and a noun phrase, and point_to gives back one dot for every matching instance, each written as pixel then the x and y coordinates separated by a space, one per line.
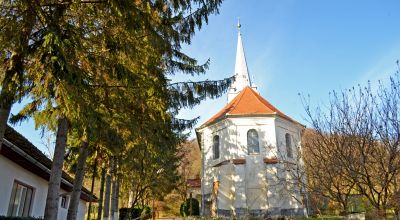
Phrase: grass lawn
pixel 321 218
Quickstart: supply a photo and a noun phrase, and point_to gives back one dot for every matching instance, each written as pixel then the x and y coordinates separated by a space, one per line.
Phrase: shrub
pixel 185 207
pixel 20 218
pixel 142 212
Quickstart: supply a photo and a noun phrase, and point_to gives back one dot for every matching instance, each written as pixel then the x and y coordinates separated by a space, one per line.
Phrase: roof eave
pixel 275 115
pixel 42 163
pixel 291 120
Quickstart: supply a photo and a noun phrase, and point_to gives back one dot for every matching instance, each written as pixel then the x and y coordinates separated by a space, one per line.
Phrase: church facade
pixel 249 152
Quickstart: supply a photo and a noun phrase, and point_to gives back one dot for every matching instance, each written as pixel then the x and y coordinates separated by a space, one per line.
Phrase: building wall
pixel 290 193
pixel 62 212
pixel 283 127
pixel 10 171
pixel 254 186
pixel 225 192
pixel 233 138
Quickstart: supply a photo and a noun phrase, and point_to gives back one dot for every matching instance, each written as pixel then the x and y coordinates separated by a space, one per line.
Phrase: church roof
pixel 248 103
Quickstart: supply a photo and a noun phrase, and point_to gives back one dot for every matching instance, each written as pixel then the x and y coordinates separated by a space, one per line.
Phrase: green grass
pixel 321 218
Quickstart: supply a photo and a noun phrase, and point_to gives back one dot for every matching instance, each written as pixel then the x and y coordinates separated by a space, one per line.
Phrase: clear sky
pixel 292 46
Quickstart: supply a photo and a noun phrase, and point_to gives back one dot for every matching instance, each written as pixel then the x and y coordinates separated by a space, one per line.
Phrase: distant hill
pixel 190 168
pixel 192 158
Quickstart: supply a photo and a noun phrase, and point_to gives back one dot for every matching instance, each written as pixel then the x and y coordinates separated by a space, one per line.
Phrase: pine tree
pixel 17 20
pixel 88 53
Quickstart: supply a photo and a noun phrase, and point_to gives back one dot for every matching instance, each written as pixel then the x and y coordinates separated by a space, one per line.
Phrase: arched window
pixel 289 151
pixel 216 147
pixel 252 142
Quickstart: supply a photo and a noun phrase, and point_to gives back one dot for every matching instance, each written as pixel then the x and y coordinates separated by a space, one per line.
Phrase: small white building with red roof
pixel 243 148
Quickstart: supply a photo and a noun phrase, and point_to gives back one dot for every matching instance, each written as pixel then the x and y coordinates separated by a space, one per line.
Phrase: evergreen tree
pixel 116 56
pixel 17 19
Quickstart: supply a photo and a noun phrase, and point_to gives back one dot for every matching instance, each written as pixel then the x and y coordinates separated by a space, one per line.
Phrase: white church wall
pixel 225 190
pixel 210 171
pixel 290 192
pixel 233 138
pixel 273 196
pixel 253 185
pixel 247 182
pixel 256 187
pixel 279 195
pixel 284 127
pixel 265 128
pixel 239 188
pixel 226 142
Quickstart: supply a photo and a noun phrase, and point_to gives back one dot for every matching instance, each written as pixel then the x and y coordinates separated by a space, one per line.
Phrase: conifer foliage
pixel 97 73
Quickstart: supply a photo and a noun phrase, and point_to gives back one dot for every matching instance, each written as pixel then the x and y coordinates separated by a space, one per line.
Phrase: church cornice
pixel 257 115
pixel 235 161
pixel 270 160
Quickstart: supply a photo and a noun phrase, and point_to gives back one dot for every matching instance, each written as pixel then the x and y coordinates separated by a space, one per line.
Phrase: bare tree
pixel 289 174
pixel 326 177
pixel 358 134
pixel 48 140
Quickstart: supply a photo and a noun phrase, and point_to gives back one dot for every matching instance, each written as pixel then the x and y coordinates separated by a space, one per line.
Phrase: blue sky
pixel 309 47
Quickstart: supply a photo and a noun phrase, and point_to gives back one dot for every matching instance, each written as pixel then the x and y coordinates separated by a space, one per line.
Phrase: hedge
pixel 20 218
pixel 185 207
pixel 142 212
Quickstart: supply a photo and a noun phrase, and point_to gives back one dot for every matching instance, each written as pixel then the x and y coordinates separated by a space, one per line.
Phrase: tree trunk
pixel 114 198
pixel 79 176
pixel 117 200
pixel 51 209
pixel 379 214
pixel 91 189
pixel 101 197
pixel 106 211
pixel 345 209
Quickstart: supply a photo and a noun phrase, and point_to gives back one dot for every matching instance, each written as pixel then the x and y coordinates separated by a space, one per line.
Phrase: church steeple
pixel 242 77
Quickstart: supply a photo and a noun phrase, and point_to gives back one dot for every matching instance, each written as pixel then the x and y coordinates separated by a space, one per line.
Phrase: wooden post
pixel 154 217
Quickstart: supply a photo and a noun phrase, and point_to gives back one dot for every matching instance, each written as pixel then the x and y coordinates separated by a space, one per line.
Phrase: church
pixel 248 151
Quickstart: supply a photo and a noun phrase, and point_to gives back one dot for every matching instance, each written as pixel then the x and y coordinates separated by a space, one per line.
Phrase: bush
pixel 142 212
pixel 20 218
pixel 185 207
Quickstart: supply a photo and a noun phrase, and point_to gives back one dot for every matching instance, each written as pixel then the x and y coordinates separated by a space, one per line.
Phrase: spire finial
pixel 242 77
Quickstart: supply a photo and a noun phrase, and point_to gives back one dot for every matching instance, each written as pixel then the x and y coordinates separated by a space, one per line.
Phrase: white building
pixel 247 149
pixel 24 174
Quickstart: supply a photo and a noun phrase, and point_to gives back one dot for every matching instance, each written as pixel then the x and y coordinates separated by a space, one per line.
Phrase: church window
pixel 289 151
pixel 253 146
pixel 216 147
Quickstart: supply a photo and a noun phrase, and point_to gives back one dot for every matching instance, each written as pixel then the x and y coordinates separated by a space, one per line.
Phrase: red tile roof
pixel 247 102
pixel 194 183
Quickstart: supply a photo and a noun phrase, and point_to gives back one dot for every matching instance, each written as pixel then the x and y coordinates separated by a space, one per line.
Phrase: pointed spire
pixel 242 78
pixel 241 64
